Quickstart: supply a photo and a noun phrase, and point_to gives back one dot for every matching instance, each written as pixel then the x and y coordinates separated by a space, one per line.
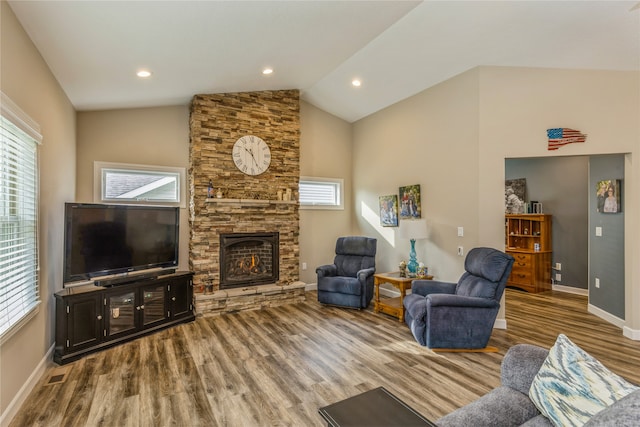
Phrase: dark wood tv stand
pixel 91 318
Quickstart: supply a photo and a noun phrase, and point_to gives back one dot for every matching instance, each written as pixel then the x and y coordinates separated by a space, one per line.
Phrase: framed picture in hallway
pixel 609 196
pixel 410 202
pixel 514 195
pixel 388 210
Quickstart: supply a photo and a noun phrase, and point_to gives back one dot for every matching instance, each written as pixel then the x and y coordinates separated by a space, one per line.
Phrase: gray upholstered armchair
pixel 348 282
pixel 459 315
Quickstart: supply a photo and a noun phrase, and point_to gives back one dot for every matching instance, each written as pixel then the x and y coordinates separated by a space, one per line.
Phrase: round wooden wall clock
pixel 251 155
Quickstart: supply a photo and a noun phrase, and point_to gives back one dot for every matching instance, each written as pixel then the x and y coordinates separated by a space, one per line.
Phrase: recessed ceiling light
pixel 267 71
pixel 143 73
pixel 356 82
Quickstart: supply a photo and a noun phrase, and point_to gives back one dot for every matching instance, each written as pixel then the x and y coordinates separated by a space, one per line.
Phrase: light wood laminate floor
pixel 276 367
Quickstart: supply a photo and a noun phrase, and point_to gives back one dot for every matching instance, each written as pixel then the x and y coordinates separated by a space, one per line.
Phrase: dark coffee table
pixel 377 407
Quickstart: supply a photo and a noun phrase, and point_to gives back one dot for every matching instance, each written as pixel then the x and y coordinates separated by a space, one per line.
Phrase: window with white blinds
pixel 321 193
pixel 19 294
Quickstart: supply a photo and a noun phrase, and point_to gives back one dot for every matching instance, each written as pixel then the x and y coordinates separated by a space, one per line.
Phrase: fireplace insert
pixel 249 259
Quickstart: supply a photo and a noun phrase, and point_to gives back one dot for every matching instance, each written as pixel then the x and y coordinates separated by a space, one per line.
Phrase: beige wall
pixel 325 152
pixel 429 139
pixel 453 140
pixel 27 80
pixel 145 136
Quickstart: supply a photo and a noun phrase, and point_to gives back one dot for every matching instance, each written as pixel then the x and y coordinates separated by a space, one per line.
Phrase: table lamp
pixel 413 230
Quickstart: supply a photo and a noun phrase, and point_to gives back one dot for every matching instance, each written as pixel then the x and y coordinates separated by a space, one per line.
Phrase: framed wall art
pixel 609 196
pixel 514 195
pixel 410 204
pixel 388 210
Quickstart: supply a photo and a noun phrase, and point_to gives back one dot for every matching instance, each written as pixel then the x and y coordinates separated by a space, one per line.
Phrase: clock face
pixel 251 155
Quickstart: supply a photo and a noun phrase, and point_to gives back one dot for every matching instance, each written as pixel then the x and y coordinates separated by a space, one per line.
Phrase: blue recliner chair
pixel 459 315
pixel 348 282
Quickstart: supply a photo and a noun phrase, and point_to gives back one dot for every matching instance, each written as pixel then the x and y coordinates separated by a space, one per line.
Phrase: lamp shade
pixel 414 229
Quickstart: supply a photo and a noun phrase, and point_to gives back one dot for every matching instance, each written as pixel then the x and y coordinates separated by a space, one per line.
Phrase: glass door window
pixel 154 303
pixel 121 311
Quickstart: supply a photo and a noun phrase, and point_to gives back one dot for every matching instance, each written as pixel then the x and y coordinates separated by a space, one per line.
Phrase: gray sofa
pixel 509 404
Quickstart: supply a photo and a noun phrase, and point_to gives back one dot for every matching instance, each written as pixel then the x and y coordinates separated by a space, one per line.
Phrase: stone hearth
pixel 250 298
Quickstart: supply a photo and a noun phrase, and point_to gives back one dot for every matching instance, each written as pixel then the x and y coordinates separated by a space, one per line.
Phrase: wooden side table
pixel 392 306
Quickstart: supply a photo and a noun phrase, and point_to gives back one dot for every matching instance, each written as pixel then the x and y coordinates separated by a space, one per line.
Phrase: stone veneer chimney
pixel 216 123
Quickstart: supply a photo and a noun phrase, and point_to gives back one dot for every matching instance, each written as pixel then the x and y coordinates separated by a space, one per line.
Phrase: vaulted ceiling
pixel 395 48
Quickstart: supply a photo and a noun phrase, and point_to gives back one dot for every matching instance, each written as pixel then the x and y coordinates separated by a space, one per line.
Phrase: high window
pixel 321 193
pixel 127 183
pixel 19 290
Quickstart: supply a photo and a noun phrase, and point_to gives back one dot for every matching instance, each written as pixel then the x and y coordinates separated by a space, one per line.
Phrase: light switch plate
pixel 460 231
pixel 599 231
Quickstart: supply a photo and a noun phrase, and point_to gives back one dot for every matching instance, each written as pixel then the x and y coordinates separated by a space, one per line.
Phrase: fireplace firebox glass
pixel 248 259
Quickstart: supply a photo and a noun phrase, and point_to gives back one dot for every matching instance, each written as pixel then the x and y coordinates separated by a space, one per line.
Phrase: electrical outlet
pixel 304 265
pixel 460 251
pixel 558 266
pixel 558 277
pixel 598 231
pixel 597 283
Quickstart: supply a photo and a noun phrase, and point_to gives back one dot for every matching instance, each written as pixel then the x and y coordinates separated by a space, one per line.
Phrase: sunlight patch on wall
pixel 373 218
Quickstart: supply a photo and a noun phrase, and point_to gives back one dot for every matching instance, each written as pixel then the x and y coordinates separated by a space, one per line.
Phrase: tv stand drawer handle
pixel 140 307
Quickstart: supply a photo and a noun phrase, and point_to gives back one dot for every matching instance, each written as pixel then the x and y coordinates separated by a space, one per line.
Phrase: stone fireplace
pixel 248 259
pixel 248 204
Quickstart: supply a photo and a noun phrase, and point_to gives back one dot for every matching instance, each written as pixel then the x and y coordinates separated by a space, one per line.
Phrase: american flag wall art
pixel 563 136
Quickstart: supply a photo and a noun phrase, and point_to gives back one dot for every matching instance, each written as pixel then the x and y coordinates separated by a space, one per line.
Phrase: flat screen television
pixel 104 240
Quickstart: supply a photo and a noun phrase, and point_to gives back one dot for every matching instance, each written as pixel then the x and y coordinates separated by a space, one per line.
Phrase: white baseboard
pixel 27 387
pixel 391 293
pixel 500 324
pixel 632 334
pixel 616 321
pixel 570 290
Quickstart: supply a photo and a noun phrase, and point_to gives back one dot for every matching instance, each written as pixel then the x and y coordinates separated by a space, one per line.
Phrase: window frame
pixel 100 168
pixel 337 183
pixel 29 133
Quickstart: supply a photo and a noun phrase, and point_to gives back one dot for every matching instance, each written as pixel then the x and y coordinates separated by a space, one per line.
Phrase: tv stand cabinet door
pixel 180 291
pixel 122 307
pixel 154 305
pixel 83 320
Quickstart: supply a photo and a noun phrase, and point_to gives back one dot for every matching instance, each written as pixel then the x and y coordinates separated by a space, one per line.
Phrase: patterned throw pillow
pixel 572 386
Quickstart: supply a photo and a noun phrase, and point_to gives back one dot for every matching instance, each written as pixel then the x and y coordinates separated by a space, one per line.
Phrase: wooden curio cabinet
pixel 528 240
